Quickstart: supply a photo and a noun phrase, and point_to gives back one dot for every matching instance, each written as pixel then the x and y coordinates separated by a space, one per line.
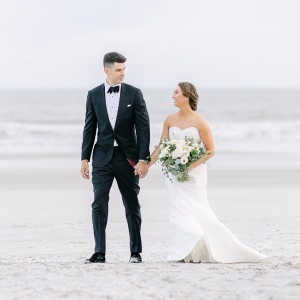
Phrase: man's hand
pixel 85 169
pixel 141 169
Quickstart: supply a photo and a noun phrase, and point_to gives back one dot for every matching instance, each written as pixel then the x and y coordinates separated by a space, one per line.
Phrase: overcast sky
pixel 211 43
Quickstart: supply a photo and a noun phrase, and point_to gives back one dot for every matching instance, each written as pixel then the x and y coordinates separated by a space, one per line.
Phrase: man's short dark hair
pixel 111 57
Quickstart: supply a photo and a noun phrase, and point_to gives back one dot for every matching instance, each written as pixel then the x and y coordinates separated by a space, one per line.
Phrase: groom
pixel 119 112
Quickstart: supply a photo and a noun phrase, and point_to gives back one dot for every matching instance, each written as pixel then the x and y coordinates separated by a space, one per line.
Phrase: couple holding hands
pixel 118 111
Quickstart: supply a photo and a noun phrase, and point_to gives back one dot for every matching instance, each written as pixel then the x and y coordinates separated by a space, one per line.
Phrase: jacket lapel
pixel 124 99
pixel 102 105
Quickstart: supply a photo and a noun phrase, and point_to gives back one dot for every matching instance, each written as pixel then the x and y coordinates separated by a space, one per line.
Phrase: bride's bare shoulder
pixel 201 123
pixel 199 117
pixel 170 118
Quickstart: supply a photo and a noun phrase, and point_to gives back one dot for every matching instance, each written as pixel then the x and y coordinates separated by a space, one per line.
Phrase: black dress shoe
pixel 135 258
pixel 96 258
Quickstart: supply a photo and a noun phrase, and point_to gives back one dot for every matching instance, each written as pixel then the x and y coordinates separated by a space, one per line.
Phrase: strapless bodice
pixel 180 134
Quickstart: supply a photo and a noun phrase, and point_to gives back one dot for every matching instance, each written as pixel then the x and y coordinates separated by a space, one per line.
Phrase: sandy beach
pixel 46 234
pixel 243 59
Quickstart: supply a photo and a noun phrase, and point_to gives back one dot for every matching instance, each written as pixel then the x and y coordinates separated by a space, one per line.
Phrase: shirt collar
pixel 107 86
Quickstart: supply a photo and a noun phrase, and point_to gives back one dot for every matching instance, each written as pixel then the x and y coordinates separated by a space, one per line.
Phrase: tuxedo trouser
pixel 128 184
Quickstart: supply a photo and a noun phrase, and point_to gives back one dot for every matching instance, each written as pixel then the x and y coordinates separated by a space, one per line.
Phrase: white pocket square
pixel 128 105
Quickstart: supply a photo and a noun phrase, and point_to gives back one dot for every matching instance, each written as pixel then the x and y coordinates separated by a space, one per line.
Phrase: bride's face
pixel 179 98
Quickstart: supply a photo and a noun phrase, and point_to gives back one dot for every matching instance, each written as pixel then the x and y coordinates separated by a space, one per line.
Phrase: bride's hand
pixel 192 166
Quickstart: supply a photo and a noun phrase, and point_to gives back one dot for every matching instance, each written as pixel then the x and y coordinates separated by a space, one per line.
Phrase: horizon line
pixel 144 88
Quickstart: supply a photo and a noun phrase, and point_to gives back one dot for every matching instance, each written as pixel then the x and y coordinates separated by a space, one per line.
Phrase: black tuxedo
pixel 132 116
pixel 132 134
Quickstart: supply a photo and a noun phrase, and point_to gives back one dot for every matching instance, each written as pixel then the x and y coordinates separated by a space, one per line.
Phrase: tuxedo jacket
pixel 131 131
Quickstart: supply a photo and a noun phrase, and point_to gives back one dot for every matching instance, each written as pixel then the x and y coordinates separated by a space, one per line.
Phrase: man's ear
pixel 106 71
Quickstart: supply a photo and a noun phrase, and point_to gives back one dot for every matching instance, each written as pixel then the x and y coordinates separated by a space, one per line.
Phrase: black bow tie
pixel 114 89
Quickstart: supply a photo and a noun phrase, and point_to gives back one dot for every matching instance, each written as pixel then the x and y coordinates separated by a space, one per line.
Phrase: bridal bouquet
pixel 176 156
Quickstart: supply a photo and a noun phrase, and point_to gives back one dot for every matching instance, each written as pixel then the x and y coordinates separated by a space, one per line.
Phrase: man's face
pixel 115 74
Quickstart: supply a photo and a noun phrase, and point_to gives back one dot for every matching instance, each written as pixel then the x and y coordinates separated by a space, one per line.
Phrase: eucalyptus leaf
pixel 174 172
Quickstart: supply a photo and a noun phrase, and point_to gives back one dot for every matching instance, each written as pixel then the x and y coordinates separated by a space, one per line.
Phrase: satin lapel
pixel 102 105
pixel 124 99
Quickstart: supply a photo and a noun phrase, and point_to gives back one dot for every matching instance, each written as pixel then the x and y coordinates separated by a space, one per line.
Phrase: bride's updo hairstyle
pixel 189 91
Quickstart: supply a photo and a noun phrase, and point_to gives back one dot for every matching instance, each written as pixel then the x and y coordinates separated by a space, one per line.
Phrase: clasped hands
pixel 141 169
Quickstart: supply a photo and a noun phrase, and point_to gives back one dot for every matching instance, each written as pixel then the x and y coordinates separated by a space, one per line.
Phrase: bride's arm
pixel 165 133
pixel 208 143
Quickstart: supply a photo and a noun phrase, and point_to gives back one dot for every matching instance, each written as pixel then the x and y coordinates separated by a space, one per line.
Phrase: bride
pixel 196 233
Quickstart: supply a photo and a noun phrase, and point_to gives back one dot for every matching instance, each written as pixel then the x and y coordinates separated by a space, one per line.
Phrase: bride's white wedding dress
pixel 196 232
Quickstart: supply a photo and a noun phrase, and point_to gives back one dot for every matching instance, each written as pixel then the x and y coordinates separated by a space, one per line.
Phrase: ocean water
pixel 48 122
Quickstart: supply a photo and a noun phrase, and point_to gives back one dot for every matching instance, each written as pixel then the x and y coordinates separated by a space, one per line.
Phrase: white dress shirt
pixel 112 105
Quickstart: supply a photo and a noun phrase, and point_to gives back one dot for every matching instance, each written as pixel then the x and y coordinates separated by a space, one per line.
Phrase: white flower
pixel 184 160
pixel 180 146
pixel 177 142
pixel 189 149
pixel 177 153
pixel 163 153
pixel 181 142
